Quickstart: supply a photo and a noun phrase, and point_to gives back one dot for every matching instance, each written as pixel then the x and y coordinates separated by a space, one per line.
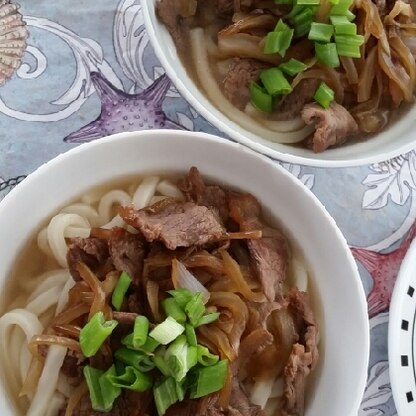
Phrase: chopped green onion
pixel 334 1
pixel 120 290
pixel 167 331
pixel 260 99
pixel 160 361
pixel 192 357
pixel 92 377
pixel 343 26
pixel 296 9
pixel 341 7
pixel 180 391
pixel 173 309
pixel 349 45
pixel 321 32
pixel 136 359
pixel 283 1
pixel 303 21
pixel 279 40
pixel 275 82
pixel 195 308
pixel 210 379
pixel 205 357
pixel 165 395
pixel 350 15
pixel 208 318
pixel 120 367
pixel 109 392
pixel 324 95
pixel 178 358
pixel 150 345
pixel 132 379
pixel 94 333
pixel 141 329
pixel 182 296
pixel 308 2
pixel 191 335
pixel 292 67
pixel 327 54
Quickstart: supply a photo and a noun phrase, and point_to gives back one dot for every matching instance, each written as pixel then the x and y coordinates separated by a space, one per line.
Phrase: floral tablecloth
pixel 83 56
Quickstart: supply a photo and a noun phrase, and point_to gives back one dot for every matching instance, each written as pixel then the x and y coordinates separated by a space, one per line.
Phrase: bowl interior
pixel 398 138
pixel 343 365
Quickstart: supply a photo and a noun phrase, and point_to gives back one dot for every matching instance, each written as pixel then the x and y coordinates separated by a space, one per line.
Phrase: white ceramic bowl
pixel 397 139
pixel 341 376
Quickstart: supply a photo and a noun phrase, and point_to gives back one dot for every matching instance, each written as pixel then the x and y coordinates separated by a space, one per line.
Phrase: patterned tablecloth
pixel 83 55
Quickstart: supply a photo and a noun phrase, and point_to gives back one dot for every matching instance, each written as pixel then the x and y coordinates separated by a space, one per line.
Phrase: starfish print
pixel 125 112
pixel 383 268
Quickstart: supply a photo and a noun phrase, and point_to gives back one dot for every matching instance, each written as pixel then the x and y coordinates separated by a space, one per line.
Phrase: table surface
pixel 52 104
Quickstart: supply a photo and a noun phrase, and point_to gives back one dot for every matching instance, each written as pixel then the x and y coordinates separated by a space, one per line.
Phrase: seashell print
pixel 13 34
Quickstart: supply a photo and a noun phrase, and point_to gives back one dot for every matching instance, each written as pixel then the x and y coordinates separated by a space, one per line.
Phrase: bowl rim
pixel 294 182
pixel 240 137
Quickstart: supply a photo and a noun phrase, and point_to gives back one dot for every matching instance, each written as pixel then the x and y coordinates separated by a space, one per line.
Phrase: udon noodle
pixel 41 327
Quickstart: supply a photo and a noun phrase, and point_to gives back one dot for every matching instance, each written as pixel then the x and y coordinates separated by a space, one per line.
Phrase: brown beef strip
pixel 241 403
pixel 239 76
pixel 211 196
pixel 175 224
pixel 270 254
pixel 127 252
pixel 91 251
pixel 333 125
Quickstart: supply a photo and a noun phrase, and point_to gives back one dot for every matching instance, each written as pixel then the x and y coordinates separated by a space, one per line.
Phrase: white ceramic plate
pixel 402 336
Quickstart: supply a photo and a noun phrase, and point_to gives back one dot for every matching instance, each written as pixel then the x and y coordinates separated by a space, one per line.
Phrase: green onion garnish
pixel 178 358
pixel 165 395
pixel 205 357
pixel 283 1
pixel 260 99
pixel 137 359
pixel 208 318
pixel 275 82
pixel 94 333
pixel 349 45
pixel 141 329
pixel 173 309
pixel 327 54
pixel 132 379
pixel 109 392
pixel 303 21
pixel 341 8
pixel 195 308
pixel 181 296
pixel 191 335
pixel 324 95
pixel 343 26
pixel 308 2
pixel 292 67
pixel 279 40
pixel 209 379
pixel 92 377
pixel 120 290
pixel 320 32
pixel 180 391
pixel 160 361
pixel 167 331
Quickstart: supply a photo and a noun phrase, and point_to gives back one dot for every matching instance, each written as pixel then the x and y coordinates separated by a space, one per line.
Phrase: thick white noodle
pixel 92 197
pixel 17 339
pixel 260 392
pixel 216 96
pixel 117 221
pixel 47 281
pixel 63 297
pixel 145 191
pixel 83 210
pixel 107 203
pixel 63 386
pixel 167 188
pixel 300 274
pixel 22 320
pixel 277 389
pixel 72 232
pixel 56 404
pixel 56 234
pixel 43 242
pixel 48 380
pixel 45 300
pixel 25 360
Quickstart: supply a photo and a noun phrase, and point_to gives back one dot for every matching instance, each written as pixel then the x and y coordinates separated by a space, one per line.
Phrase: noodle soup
pixel 51 287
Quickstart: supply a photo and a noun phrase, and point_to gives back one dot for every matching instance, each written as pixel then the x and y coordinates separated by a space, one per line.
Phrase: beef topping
pixel 175 224
pixel 333 125
pixel 237 81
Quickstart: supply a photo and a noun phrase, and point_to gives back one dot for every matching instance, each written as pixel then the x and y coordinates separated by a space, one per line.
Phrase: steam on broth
pixel 159 298
pixel 315 74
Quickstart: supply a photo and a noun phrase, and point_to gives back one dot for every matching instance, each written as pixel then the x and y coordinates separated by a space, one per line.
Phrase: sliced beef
pixel 184 408
pixel 91 251
pixel 127 252
pixel 173 14
pixel 239 76
pixel 241 403
pixel 84 408
pixel 72 368
pixel 175 224
pixel 295 373
pixel 291 105
pixel 333 125
pixel 270 254
pixel 125 318
pixel 211 196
